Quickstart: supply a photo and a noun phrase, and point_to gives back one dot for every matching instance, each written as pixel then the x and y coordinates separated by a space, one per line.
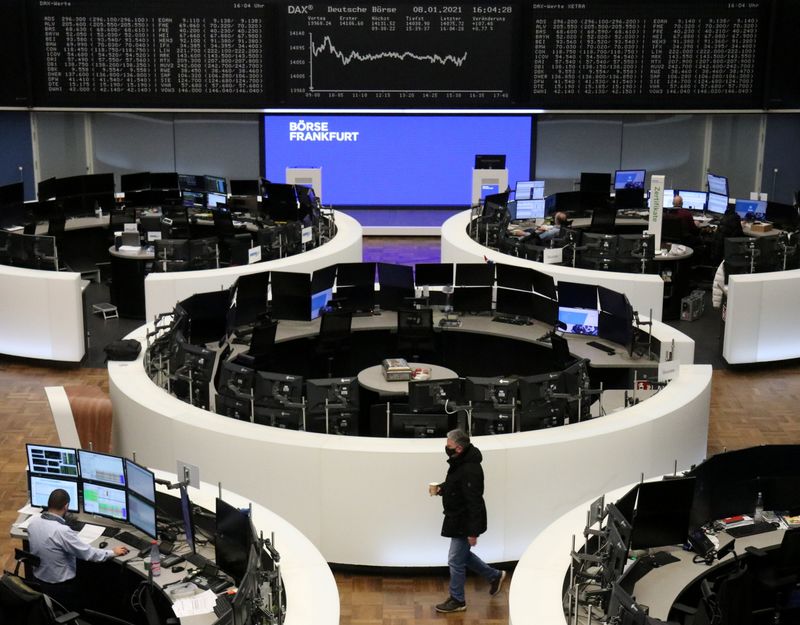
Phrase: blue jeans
pixel 459 560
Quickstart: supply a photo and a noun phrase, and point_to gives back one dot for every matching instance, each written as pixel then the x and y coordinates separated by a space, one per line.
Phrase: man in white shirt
pixel 58 548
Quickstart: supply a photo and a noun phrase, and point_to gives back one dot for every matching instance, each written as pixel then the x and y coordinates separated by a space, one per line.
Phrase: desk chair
pixel 778 571
pixel 604 220
pixel 415 335
pixel 29 228
pixel 334 337
pixel 262 344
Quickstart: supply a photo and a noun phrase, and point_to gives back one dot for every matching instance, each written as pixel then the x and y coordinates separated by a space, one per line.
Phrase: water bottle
pixel 758 514
pixel 155 559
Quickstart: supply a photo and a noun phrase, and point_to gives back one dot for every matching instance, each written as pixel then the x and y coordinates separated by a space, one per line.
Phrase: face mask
pixel 450 451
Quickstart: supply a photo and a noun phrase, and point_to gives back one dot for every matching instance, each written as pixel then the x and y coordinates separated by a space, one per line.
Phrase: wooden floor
pixel 749 407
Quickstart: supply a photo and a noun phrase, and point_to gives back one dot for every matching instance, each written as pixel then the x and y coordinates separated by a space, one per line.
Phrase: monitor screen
pixel 474 299
pixel 355 274
pixel 213 200
pixel 717 204
pixel 629 179
pixel 291 295
pixel 595 182
pixel 188 519
pixel 662 513
pixel 40 487
pixel 514 302
pixel 577 295
pixel 215 184
pixel 105 500
pixel 141 481
pixel 755 207
pixel 579 320
pixel 530 209
pixel 419 425
pixel 717 184
pixel 696 200
pixel 529 190
pixel 244 187
pixel 418 160
pixel 474 274
pixel 234 536
pixel 433 274
pixel 490 161
pixel 55 461
pixel 142 515
pixel 104 468
pixel 488 190
pixel 12 193
pixel 275 389
pixel 514 277
pixel 544 284
pixel 335 393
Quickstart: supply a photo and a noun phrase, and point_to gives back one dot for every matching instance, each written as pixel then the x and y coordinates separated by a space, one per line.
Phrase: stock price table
pixel 437 54
pixel 119 53
pixel 654 55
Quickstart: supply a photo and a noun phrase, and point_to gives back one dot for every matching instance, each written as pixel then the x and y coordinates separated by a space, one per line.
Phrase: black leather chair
pixel 777 572
pixel 415 335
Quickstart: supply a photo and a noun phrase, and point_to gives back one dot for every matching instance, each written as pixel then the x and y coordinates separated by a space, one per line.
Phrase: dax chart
pixel 361 54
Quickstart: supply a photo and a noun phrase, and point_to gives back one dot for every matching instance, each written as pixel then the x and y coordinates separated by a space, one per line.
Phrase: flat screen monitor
pixel 141 481
pixel 695 200
pixel 46 189
pixel 489 190
pixel 105 500
pixel 474 274
pixel 322 281
pixel 629 179
pixel 12 193
pixel 234 407
pixel 717 184
pixel 472 299
pixel 490 161
pixel 617 329
pixel 355 274
pixel 717 204
pixel 576 295
pixel 433 274
pixel 662 513
pixel 335 393
pixel 40 487
pixel 235 380
pixel 134 182
pixel 104 468
pixel 544 284
pixel 234 537
pixel 276 389
pixel 514 302
pixel 515 277
pixel 216 200
pixel 529 209
pixel 419 425
pixel 188 519
pixel 613 302
pixel 98 183
pixel 396 285
pixel 166 180
pixel 280 201
pixel 599 183
pixel 53 461
pixel 142 515
pixel 579 320
pixel 756 208
pixel 629 197
pixel 529 190
pixel 497 390
pixel 215 184
pixel 667 199
pixel 545 310
pixel 433 395
pixel 291 295
pixel 245 187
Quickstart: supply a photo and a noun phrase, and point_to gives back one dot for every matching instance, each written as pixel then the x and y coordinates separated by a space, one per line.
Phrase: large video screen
pixel 378 160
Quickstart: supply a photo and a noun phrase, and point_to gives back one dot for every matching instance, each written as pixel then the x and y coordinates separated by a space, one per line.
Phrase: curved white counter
pixel 644 291
pixel 364 501
pixel 312 597
pixel 762 322
pixel 163 290
pixel 41 314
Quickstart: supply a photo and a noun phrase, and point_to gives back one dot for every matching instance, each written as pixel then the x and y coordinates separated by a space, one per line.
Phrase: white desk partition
pixel 645 291
pixel 163 290
pixel 762 322
pixel 41 314
pixel 364 501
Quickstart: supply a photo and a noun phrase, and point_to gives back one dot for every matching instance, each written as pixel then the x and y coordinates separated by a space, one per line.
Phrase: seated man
pixel 543 232
pixel 686 217
pixel 57 547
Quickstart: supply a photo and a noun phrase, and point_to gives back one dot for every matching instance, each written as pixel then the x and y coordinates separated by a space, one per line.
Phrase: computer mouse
pixel 176 569
pixel 103 545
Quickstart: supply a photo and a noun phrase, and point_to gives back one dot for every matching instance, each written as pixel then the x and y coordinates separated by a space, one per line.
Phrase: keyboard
pixel 517 321
pixel 601 347
pixel 75 525
pixel 133 541
pixel 750 530
pixel 197 560
pixel 223 606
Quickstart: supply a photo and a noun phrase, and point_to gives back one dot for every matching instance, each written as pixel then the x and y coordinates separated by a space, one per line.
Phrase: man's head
pixel 58 502
pixel 560 219
pixel 457 441
pixel 677 201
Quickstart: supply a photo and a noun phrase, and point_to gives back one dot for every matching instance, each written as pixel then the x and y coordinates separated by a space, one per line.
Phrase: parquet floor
pixel 749 407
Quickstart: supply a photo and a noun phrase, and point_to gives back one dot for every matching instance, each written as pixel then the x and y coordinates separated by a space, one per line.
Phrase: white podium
pixel 307 176
pixel 480 177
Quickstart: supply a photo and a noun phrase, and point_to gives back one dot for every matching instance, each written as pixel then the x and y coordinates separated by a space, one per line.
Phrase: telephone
pixel 700 543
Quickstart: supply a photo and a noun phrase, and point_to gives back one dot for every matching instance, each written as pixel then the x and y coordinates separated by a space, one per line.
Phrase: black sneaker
pixel 451 605
pixel 497 584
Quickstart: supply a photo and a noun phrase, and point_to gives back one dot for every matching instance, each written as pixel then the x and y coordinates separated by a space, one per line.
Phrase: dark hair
pixel 58 499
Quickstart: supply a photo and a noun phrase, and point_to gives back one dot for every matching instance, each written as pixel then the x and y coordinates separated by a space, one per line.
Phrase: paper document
pixel 199 604
pixel 29 509
pixel 90 532
pixel 26 522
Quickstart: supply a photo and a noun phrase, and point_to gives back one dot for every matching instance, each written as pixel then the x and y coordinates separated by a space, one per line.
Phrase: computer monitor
pixel 13 193
pixel 599 183
pixel 40 487
pixel 291 295
pixel 626 505
pixel 474 274
pixel 538 408
pixel 613 302
pixel 396 284
pixel 515 277
pixel 497 390
pixel 629 197
pixel 105 500
pixel 239 408
pixel 355 274
pixel 695 200
pixel 419 425
pixel 717 184
pixel 662 513
pixel 234 537
pixel 616 556
pixel 584 321
pixel 166 180
pixel 53 461
pixel 433 274
pixel 283 417
pixel 756 208
pixel 142 515
pixel 490 161
pixel 577 295
pixel 216 200
pixel 529 209
pixel 103 468
pixel 433 395
pixel 514 302
pixel 235 380
pixel 784 216
pixel 244 187
pixel 472 299
pixel 276 389
pixel 666 201
pixel 187 518
pixel 215 184
pixel 717 204
pixel 629 179
pixel 529 190
pixel 545 310
pixel 141 481
pixel 280 201
pixel 335 393
pixel 488 190
pixel 134 182
pixel 322 281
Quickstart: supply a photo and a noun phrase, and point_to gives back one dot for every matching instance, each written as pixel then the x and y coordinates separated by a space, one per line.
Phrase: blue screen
pixel 380 160
pixel 757 207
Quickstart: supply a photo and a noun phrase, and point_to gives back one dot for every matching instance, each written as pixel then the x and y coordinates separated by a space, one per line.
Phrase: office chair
pixel 262 343
pixel 334 337
pixel 778 571
pixel 415 335
pixel 29 228
pixel 604 220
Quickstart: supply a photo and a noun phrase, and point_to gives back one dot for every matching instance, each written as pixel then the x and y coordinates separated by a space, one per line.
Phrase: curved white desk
pixel 41 314
pixel 163 290
pixel 645 291
pixel 364 501
pixel 762 323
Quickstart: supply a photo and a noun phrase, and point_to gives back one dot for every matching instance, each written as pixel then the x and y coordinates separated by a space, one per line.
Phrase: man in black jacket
pixel 464 519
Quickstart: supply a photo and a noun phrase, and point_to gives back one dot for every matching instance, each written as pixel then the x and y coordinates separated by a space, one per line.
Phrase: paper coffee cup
pixel 433 489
